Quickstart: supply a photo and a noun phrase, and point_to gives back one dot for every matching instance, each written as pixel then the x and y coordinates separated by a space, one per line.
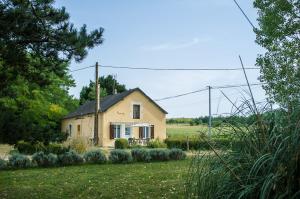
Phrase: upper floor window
pixel 136 111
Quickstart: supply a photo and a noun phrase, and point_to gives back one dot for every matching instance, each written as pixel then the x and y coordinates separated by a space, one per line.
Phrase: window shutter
pixel 112 131
pixel 152 132
pixel 141 132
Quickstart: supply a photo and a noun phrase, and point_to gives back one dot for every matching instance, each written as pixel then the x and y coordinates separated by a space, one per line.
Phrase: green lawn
pixel 184 130
pixel 137 180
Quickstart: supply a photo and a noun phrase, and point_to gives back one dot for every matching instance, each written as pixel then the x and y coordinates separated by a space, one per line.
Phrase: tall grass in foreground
pixel 264 163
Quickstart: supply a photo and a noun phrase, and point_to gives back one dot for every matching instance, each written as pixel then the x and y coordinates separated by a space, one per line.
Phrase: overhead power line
pixel 81 68
pixel 204 89
pixel 169 69
pixel 180 95
pixel 175 69
pixel 234 86
pixel 247 18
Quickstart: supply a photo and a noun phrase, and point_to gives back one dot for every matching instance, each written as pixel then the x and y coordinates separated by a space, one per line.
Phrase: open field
pixel 137 180
pixel 184 130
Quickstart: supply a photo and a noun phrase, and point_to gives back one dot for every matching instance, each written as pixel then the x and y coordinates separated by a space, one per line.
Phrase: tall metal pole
pixel 209 120
pixel 96 106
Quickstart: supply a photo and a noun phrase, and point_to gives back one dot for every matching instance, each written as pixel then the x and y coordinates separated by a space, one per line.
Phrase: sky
pixel 171 34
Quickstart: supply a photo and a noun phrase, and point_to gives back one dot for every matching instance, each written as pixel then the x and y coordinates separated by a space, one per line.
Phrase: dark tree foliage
pixel 37 42
pixel 107 85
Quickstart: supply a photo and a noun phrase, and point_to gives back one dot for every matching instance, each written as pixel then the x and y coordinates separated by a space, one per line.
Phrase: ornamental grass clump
pixel 120 156
pixel 3 164
pixel 177 154
pixel 141 155
pixel 159 154
pixel 19 161
pixel 70 158
pixel 96 156
pixel 44 160
pixel 265 163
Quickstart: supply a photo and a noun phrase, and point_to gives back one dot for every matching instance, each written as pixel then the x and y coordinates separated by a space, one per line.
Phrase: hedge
pixel 149 155
pixel 120 156
pixel 29 148
pixel 95 156
pixel 199 144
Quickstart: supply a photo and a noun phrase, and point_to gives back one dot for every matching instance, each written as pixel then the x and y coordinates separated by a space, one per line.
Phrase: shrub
pixel 159 154
pixel 19 161
pixel 44 160
pixel 79 145
pixel 25 147
pixel 70 158
pixel 121 143
pixel 3 164
pixel 56 148
pixel 177 154
pixel 29 148
pixel 120 156
pixel 156 144
pixel 199 144
pixel 135 146
pixel 96 156
pixel 141 155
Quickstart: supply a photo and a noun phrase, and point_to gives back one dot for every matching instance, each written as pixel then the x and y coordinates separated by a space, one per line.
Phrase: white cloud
pixel 176 45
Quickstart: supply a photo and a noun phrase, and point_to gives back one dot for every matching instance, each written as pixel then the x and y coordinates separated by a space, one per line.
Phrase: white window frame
pixel 117 134
pixel 130 132
pixel 146 131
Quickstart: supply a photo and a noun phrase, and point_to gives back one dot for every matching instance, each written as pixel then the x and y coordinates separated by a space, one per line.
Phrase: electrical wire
pixel 247 18
pixel 204 89
pixel 180 95
pixel 169 69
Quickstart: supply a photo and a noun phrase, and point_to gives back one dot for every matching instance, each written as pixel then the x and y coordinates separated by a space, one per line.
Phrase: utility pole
pixel 96 106
pixel 209 120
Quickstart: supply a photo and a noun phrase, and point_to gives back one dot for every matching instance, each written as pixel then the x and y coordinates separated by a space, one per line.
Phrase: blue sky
pixel 170 34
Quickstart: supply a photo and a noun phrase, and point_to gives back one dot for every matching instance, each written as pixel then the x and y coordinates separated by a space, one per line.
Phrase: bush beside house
pixel 121 143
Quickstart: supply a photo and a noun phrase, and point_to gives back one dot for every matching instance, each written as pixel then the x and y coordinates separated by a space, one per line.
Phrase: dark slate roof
pixel 106 103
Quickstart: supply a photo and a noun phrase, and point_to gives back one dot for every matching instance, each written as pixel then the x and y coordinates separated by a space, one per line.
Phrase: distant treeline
pixel 216 121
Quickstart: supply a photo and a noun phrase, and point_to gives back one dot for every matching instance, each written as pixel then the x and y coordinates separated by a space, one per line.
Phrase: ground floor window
pixel 70 130
pixel 117 131
pixel 146 132
pixel 127 131
pixel 78 130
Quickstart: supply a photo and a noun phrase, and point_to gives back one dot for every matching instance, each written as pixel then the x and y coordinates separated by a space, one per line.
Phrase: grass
pixel 137 180
pixel 184 130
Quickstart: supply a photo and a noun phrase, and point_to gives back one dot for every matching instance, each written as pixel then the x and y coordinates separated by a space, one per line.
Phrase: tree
pixel 107 86
pixel 279 34
pixel 37 43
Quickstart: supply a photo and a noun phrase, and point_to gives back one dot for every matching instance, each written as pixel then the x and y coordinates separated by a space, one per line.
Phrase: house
pixel 130 114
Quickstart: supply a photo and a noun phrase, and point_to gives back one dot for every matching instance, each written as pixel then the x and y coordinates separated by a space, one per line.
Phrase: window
pixel 146 132
pixel 78 130
pixel 117 131
pixel 70 130
pixel 127 131
pixel 136 111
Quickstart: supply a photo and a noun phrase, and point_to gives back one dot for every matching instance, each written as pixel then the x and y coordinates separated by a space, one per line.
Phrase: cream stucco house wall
pixel 130 114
